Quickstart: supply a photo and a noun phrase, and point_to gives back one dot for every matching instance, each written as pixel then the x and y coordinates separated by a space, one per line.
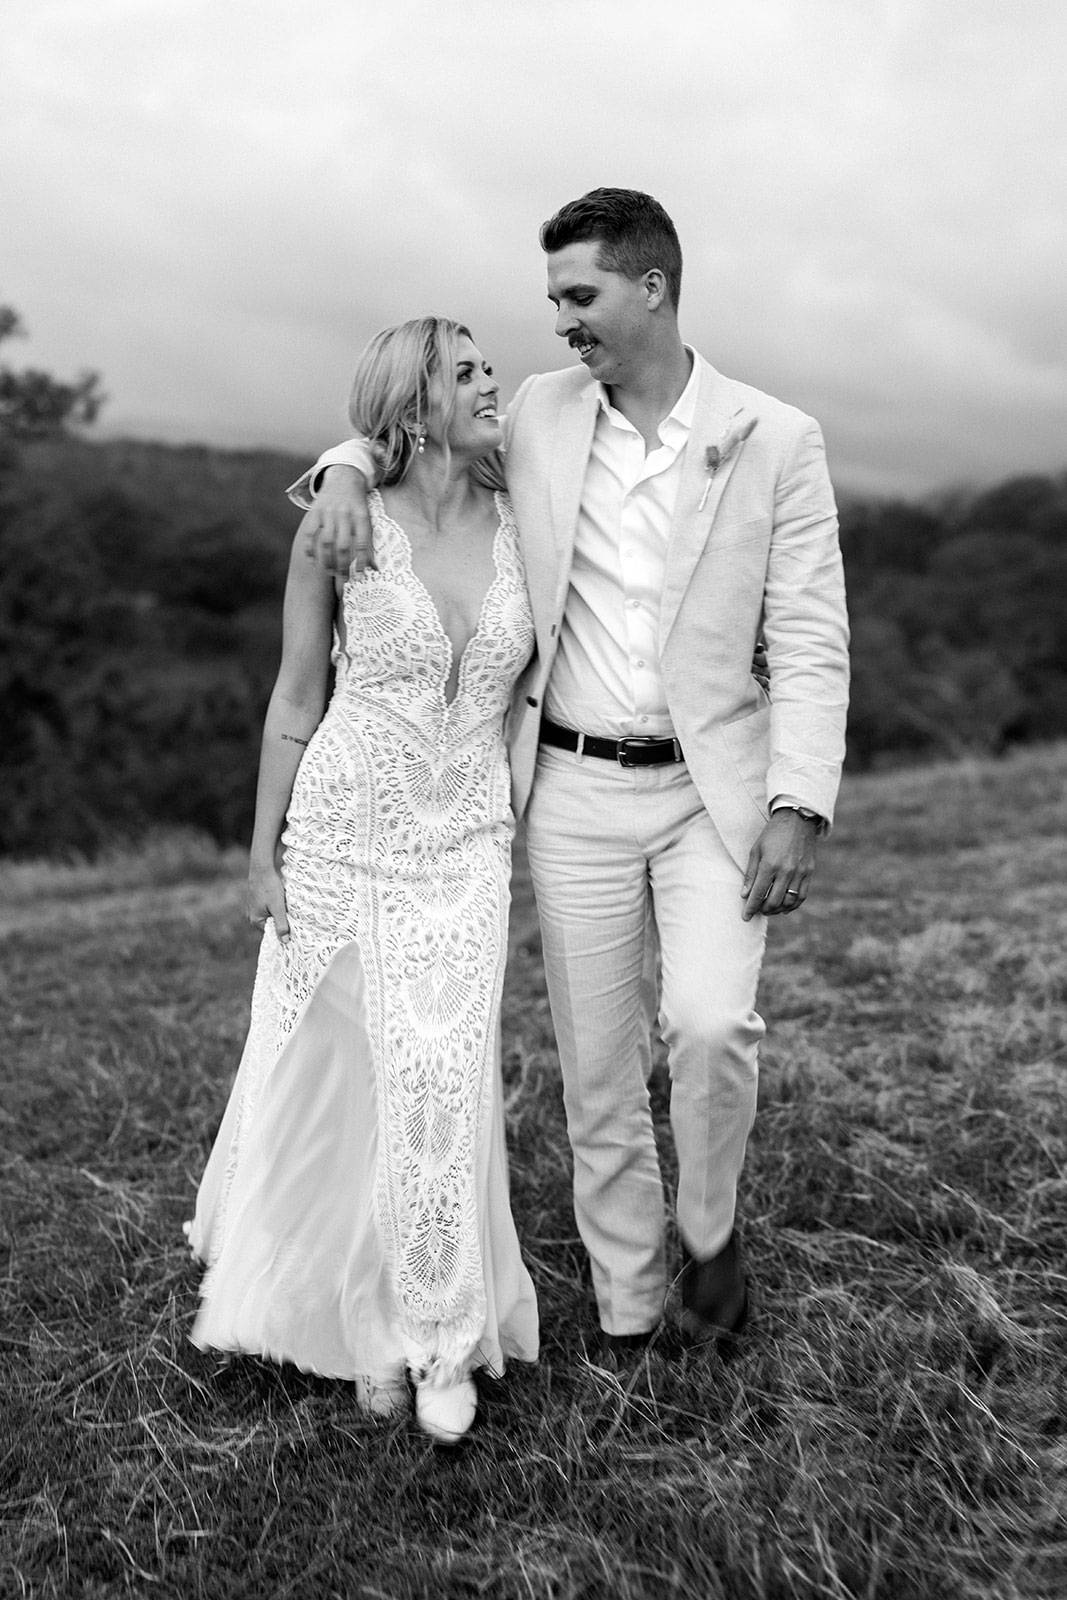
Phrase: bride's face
pixel 474 426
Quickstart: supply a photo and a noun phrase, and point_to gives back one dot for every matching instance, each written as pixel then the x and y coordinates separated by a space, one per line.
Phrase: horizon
pixel 844 491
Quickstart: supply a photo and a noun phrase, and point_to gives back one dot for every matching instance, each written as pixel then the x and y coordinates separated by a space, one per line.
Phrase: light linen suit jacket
pixel 753 550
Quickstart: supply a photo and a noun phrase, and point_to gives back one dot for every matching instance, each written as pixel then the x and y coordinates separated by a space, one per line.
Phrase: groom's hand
pixel 337 530
pixel 780 866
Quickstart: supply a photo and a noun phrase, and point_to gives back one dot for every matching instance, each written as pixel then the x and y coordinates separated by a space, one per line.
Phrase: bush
pixel 140 620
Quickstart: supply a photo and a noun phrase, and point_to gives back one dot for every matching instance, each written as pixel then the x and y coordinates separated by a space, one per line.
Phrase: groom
pixel 669 516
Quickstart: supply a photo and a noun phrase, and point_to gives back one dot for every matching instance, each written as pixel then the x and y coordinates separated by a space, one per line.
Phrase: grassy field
pixel 895 1424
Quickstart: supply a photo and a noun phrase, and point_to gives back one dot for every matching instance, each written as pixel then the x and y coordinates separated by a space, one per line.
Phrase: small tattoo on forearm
pixel 292 738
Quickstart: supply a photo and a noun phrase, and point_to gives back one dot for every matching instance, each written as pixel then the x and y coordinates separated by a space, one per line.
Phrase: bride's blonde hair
pixel 391 393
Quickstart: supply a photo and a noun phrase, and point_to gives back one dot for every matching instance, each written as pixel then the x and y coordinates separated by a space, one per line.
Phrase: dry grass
pixel 895 1424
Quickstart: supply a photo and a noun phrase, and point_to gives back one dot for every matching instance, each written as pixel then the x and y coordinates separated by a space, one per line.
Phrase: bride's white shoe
pixel 446 1411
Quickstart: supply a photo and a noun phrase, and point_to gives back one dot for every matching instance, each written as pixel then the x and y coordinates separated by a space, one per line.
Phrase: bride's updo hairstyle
pixel 400 375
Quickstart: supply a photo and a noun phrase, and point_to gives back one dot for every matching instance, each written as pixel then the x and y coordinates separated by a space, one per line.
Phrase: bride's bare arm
pixel 294 712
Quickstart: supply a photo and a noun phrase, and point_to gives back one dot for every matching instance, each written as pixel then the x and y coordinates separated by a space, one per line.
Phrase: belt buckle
pixel 622 748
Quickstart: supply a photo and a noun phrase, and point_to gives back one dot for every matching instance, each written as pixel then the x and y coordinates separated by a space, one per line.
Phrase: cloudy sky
pixel 215 203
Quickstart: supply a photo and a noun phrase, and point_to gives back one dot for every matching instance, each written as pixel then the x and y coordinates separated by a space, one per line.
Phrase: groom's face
pixel 603 315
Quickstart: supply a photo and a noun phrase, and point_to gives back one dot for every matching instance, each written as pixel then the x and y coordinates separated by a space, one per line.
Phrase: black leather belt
pixel 631 751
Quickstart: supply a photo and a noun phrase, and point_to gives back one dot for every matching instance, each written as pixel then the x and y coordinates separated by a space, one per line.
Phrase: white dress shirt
pixel 606 676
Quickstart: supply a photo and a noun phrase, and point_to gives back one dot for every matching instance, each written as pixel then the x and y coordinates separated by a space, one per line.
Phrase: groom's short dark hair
pixel 633 231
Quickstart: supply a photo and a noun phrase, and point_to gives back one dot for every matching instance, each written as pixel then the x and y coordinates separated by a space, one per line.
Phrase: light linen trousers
pixel 610 847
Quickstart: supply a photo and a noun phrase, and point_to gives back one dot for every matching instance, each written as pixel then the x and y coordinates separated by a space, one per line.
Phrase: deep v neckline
pixel 409 561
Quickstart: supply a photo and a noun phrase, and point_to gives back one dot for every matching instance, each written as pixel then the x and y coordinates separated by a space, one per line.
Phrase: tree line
pixel 140 623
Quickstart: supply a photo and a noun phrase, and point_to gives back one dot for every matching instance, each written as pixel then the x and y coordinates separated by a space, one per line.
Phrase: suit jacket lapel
pixel 717 410
pixel 571 446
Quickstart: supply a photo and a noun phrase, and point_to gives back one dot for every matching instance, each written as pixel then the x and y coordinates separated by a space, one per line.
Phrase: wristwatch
pixel 801 811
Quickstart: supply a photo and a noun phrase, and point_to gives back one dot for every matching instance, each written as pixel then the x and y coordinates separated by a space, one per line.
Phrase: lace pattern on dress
pixel 398 838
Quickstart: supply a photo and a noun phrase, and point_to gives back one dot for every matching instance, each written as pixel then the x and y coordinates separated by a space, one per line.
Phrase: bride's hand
pixel 266 898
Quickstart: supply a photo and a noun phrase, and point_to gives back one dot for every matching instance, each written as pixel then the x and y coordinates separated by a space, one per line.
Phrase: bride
pixel 354 1214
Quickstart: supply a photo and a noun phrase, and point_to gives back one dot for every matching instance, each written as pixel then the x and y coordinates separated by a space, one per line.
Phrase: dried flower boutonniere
pixel 714 456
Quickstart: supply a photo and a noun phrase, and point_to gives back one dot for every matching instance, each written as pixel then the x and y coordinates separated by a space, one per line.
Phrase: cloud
pixel 217 205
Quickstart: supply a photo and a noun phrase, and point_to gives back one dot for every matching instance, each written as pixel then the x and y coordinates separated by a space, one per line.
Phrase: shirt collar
pixel 677 424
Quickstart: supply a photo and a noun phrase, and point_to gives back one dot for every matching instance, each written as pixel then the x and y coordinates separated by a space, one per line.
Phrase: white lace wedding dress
pixel 354 1212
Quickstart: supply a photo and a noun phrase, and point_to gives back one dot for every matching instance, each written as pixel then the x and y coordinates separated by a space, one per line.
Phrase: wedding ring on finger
pixel 792 894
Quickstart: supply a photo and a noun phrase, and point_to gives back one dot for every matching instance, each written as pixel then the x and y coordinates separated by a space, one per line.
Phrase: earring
pixel 420 444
